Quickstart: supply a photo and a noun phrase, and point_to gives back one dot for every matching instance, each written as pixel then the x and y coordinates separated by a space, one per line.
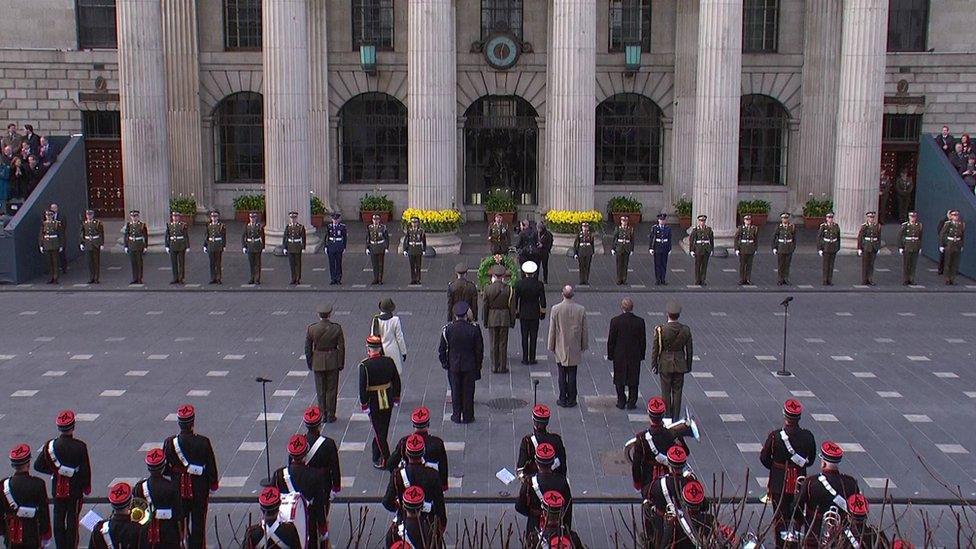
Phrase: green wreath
pixel 507 261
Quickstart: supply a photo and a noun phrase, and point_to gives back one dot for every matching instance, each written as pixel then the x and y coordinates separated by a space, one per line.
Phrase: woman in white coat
pixel 387 326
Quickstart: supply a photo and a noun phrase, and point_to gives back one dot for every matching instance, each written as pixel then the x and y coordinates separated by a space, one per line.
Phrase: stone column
pixel 431 104
pixel 814 171
pixel 860 103
pixel 320 135
pixel 183 98
pixel 142 97
pixel 287 148
pixel 717 115
pixel 570 107
pixel 685 75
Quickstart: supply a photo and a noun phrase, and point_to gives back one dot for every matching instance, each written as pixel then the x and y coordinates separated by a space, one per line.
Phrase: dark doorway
pixel 899 154
pixel 500 148
pixel 103 162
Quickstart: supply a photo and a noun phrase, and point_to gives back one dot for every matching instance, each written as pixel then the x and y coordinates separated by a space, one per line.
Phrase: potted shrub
pixel 815 211
pixel 245 204
pixel 318 211
pixel 620 206
pixel 565 225
pixel 758 209
pixel 500 202
pixel 379 204
pixel 682 209
pixel 434 222
pixel 186 206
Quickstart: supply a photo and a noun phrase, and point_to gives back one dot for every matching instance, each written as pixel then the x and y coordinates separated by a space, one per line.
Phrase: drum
pixel 293 510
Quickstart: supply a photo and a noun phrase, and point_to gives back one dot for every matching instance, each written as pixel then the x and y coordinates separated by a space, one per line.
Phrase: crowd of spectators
pixel 25 157
pixel 961 153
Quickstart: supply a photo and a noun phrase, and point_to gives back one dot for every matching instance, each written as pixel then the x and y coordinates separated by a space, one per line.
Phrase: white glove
pixel 613 252
pixel 775 251
pixel 244 250
pixel 651 251
pixel 126 250
pixel 575 256
pixel 367 251
pixel 820 252
pixel 859 252
pixel 737 253
pixel 692 254
pixel 41 248
pixel 901 251
pixel 81 247
pixel 167 249
pixel 404 253
pixel 941 249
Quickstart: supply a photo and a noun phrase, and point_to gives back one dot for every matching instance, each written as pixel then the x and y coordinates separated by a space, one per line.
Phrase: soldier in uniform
pixel 377 243
pixel 787 453
pixel 909 245
pixel 252 244
pixel 583 253
pixel 293 242
pixel 135 240
pixel 118 531
pixel 540 435
pixel 461 352
pixel 416 473
pixel 623 246
pixel 553 534
pixel 163 496
pixel 660 248
pixel 325 356
pixel 379 392
pixel 702 242
pixel 499 318
pixel 545 250
pixel 784 244
pixel 270 533
pixel 66 459
pixel 335 245
pixel 671 357
pixel 214 245
pixel 664 497
pixel 296 477
pixel 460 290
pixel 950 243
pixel 414 247
pixel 904 189
pixel 322 458
pixel 23 504
pixel 650 460
pixel 177 241
pixel 412 528
pixel 828 244
pixel 530 308
pixel 534 487
pixel 857 532
pixel 92 240
pixel 191 459
pixel 499 236
pixel 868 245
pixel 829 489
pixel 435 454
pixel 746 243
pixel 51 243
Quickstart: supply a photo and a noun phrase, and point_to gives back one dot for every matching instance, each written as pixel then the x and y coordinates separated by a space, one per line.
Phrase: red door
pixel 103 159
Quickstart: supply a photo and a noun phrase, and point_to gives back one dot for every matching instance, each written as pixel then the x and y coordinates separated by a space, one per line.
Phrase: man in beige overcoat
pixel 567 341
pixel 325 355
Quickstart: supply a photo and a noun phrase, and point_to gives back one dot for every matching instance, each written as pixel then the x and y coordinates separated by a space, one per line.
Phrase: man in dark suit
pixel 462 352
pixel 945 141
pixel 545 248
pixel 671 357
pixel 626 347
pixel 530 307
pixel 959 159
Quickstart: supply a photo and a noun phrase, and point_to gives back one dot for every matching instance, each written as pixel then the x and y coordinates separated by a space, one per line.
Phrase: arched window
pixel 760 26
pixel 501 139
pixel 242 24
pixel 501 16
pixel 763 136
pixel 628 141
pixel 908 22
pixel 373 140
pixel 239 138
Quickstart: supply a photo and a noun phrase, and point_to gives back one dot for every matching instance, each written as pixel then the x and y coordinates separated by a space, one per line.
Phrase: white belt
pixel 871 238
pixel 660 240
pixel 177 237
pixel 830 240
pixel 953 238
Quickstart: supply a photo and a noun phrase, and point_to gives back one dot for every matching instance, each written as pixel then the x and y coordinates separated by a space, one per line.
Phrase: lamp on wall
pixel 367 58
pixel 632 57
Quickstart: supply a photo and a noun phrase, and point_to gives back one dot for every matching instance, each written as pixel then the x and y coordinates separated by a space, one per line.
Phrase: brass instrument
pixel 140 512
pixel 683 427
pixel 629 449
pixel 829 526
pixel 791 534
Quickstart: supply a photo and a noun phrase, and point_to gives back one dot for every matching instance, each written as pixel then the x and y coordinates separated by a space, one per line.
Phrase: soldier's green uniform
pixel 377 242
pixel 92 240
pixel 293 241
pixel 702 242
pixel 51 241
pixel 784 244
pixel 671 357
pixel 414 246
pixel 583 252
pixel 951 242
pixel 499 237
pixel 499 318
pixel 746 244
pixel 868 244
pixel 214 246
pixel 462 289
pixel 252 244
pixel 828 244
pixel 910 244
pixel 135 240
pixel 177 240
pixel 904 189
pixel 325 356
pixel 623 246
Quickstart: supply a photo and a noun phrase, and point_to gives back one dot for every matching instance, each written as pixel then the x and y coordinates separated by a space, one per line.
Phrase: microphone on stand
pixel 267 446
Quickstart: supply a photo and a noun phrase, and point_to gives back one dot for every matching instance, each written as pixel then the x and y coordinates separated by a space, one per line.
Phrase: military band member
pixel 325 356
pixel 499 236
pixel 118 531
pixel 270 533
pixel 377 243
pixel 583 253
pixel 784 244
pixel 335 246
pixel 868 245
pixel 135 240
pixel 92 240
pixel 951 240
pixel 252 244
pixel 671 357
pixel 323 456
pixel 435 454
pixel 293 241
pixel 660 248
pixel 191 459
pixel 412 528
pixel 177 241
pixel 26 521
pixel 534 487
pixel 909 246
pixel 165 507
pixel 857 533
pixel 828 244
pixel 499 317
pixel 702 242
pixel 829 489
pixel 553 534
pixel 296 477
pixel 379 392
pixel 540 434
pixel 414 247
pixel 787 453
pixel 664 497
pixel 460 290
pixel 66 459
pixel 214 245
pixel 416 473
pixel 650 459
pixel 746 244
pixel 51 243
pixel 623 246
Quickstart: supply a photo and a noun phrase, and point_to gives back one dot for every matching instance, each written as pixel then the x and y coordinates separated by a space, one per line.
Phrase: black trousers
pixel 216 261
pixel 701 268
pixel 65 524
pixel 661 267
pixel 745 267
pixel 828 267
pixel 416 263
pixel 584 269
pixel 462 395
pixel 135 260
pixel 544 267
pixel 195 511
pixel 782 509
pixel 380 420
pixel 178 263
pixel 671 386
pixel 908 265
pixel 783 267
pixel 623 260
pixel 63 260
pixel 567 384
pixel 530 336
pixel 94 256
pixel 376 261
pixel 867 267
pixel 52 264
pixel 295 264
pixel 254 261
pixel 335 265
pixel 627 394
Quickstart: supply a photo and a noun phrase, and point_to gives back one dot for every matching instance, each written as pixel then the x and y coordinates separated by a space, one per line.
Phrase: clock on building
pixel 502 51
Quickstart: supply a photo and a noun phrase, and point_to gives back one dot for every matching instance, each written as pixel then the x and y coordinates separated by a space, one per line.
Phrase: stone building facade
pixel 563 102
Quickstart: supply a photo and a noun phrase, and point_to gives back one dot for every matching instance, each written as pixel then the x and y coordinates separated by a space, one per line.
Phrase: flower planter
pixel 684 221
pixel 633 218
pixel 813 222
pixel 758 219
pixel 507 217
pixel 243 216
pixel 367 216
pixel 443 243
pixel 318 220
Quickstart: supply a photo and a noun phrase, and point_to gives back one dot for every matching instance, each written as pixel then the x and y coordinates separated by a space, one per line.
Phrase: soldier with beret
pixel 671 357
pixel 51 242
pixel 583 252
pixel 536 485
pixel 252 244
pixel 819 493
pixel 787 453
pixel 499 317
pixel 414 247
pixel 462 352
pixel 649 460
pixel 530 308
pixel 66 459
pixel 379 392
pixel 177 241
pixel 118 531
pixel 416 473
pixel 377 243
pixel 26 521
pixel 165 505
pixel 191 460
pixel 623 246
pixel 462 289
pixel 909 246
pixel 270 533
pixel 540 434
pixel 323 454
pixel 746 244
pixel 92 240
pixel 784 244
pixel 828 244
pixel 296 477
pixel 701 240
pixel 435 454
pixel 293 242
pixel 868 245
pixel 325 356
pixel 412 528
pixel 660 248
pixel 135 241
pixel 335 246
pixel 213 246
